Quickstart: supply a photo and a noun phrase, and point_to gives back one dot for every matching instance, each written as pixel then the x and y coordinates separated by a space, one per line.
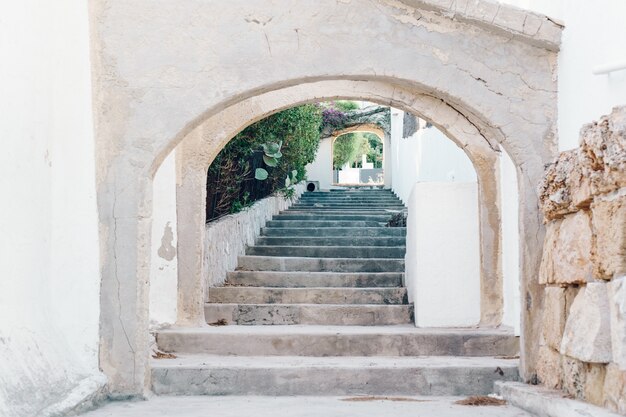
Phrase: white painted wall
pixel 49 292
pixel 404 157
pixel 349 175
pixel 594 35
pixel 321 169
pixel 426 156
pixel 164 260
pixel 437 181
pixel 509 198
pixel 443 255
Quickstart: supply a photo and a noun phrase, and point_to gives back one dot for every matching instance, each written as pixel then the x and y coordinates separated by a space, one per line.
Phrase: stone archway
pixel 199 147
pixel 491 66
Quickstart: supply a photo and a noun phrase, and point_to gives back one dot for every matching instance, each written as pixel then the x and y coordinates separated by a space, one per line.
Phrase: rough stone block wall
pixel 227 238
pixel 583 269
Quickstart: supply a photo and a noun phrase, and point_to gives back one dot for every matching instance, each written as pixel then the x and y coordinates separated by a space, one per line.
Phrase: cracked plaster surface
pixel 163 68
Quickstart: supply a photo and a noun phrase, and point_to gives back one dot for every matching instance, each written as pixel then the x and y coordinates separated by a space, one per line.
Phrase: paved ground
pixel 300 407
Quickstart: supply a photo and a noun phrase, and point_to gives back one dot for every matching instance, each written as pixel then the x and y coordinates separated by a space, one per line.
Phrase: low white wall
pixel 228 237
pixel 509 198
pixel 349 176
pixel 321 169
pixel 427 155
pixel 443 254
pixel 163 259
pixel 49 250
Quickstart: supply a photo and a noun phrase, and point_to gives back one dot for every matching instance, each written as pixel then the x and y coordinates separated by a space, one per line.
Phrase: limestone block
pixel 555 199
pixel 597 167
pixel 579 184
pixel 615 389
pixel 546 271
pixel 603 152
pixel 609 228
pixel 549 367
pixel 595 374
pixel 617 307
pixel 587 334
pixel 553 316
pixel 572 254
pixel 573 377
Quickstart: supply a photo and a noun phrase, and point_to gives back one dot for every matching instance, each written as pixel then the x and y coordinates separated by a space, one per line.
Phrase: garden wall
pixel 227 238
pixel 583 269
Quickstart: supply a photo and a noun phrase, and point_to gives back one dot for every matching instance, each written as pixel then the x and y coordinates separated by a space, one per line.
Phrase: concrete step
pixel 331 241
pixel 368 203
pixel 306 340
pixel 323 223
pixel 355 210
pixel 350 207
pixel 355 190
pixel 332 216
pixel 278 263
pixel 334 231
pixel 314 279
pixel 320 295
pixel 360 211
pixel 323 314
pixel 288 375
pixel 329 251
pixel 350 199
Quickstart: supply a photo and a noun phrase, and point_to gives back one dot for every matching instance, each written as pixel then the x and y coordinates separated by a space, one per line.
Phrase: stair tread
pixel 313 305
pixel 324 258
pixel 300 329
pixel 333 247
pixel 319 273
pixel 195 361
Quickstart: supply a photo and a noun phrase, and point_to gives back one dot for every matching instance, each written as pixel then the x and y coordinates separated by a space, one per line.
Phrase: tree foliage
pixel 349 148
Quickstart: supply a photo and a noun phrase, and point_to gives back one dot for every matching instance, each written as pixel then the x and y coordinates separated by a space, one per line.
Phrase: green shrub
pixel 279 146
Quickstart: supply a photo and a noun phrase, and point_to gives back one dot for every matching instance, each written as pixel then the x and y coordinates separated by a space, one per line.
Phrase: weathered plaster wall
pixel 197 59
pixel 509 203
pixel 164 256
pixel 443 254
pixel 228 237
pixel 594 36
pixel 49 291
pixel 583 269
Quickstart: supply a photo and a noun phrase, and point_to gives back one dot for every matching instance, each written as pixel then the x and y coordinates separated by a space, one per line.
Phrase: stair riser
pixel 358 212
pixel 254 295
pixel 322 223
pixel 353 198
pixel 343 217
pixel 330 231
pixel 329 251
pixel 316 345
pixel 269 279
pixel 356 204
pixel 332 241
pixel 328 381
pixel 278 314
pixel 269 263
pixel 363 208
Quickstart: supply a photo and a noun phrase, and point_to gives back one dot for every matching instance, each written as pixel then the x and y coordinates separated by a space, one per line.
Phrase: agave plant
pixel 291 179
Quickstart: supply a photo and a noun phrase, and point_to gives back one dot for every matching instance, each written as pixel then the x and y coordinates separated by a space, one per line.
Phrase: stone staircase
pixel 318 307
